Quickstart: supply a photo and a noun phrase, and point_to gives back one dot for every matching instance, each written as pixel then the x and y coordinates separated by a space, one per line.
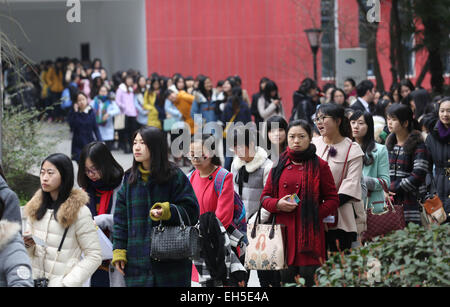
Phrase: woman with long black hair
pixel 153 190
pixel 375 160
pixel 301 172
pixel 304 101
pixel 100 175
pixel 270 104
pixel 57 214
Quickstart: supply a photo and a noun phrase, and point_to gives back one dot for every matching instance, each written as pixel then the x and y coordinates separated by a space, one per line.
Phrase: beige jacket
pixel 69 270
pixel 351 182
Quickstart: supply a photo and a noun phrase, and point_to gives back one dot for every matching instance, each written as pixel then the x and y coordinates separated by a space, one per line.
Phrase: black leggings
pixel 344 238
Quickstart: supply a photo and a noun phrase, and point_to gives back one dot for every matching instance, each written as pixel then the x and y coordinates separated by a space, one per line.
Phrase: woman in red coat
pixel 299 171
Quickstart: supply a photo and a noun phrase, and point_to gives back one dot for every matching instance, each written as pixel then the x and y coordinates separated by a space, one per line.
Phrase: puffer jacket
pixel 69 270
pixel 15 266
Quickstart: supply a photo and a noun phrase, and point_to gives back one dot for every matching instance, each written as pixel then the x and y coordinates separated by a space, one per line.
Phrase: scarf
pixel 444 133
pixel 101 111
pixel 144 173
pixel 308 235
pixel 106 192
pixel 242 177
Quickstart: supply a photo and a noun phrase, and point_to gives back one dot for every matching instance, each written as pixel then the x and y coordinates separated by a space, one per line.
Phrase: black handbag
pixel 175 242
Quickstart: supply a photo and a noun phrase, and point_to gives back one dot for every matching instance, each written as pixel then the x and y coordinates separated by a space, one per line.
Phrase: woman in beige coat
pixel 57 207
pixel 335 146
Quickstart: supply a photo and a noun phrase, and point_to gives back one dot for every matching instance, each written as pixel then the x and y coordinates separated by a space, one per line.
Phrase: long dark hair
pixel 271 86
pixel 104 162
pixel 368 142
pixel 337 112
pixel 65 168
pixel 202 89
pixel 282 124
pixel 161 169
pixel 345 104
pixel 306 85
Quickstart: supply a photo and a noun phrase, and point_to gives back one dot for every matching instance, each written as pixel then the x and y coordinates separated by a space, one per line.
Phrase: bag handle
pixel 182 225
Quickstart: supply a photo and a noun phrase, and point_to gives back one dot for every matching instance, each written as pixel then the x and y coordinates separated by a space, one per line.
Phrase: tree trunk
pixel 423 72
pixel 433 38
pixel 396 39
pixel 392 56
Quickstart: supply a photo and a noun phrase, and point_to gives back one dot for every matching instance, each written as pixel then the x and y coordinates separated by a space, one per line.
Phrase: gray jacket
pixel 258 169
pixel 12 208
pixel 15 265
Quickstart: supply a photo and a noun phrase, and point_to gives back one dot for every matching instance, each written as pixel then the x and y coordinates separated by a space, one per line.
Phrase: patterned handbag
pixel 391 219
pixel 266 248
pixel 175 242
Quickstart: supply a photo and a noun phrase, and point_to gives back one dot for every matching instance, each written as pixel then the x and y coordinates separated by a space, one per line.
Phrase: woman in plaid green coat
pixel 153 188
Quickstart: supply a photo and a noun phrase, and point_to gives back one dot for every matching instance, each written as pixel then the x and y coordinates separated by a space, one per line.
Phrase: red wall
pixel 252 38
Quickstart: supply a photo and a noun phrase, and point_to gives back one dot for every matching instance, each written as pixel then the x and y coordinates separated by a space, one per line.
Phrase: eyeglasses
pixel 91 171
pixel 321 119
pixel 192 158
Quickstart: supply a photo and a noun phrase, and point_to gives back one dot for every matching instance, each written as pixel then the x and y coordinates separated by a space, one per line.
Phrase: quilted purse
pixel 175 242
pixel 382 223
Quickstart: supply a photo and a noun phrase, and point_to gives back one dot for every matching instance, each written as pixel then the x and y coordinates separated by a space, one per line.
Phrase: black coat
pixel 304 108
pixel 84 127
pixel 357 105
pixel 439 150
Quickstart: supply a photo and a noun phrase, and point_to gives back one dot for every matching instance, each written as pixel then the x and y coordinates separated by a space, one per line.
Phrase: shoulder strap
pixel 219 180
pixel 345 164
pixel 63 238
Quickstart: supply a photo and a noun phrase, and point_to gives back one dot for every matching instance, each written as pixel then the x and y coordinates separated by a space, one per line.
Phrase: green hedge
pixel 413 257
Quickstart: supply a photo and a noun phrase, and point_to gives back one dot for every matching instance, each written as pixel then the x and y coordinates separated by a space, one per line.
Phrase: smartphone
pixel 294 198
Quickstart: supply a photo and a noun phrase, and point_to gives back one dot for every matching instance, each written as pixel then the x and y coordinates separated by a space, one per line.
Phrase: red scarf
pixel 104 201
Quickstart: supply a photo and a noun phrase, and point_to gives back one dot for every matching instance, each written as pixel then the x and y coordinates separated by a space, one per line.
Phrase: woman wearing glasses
pixel 100 176
pixel 345 159
pixel 207 165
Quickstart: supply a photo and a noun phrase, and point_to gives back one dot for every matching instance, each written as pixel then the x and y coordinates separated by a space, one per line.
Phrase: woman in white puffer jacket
pixel 54 208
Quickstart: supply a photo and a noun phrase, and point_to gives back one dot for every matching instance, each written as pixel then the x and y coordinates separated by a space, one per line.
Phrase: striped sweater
pixel 408 167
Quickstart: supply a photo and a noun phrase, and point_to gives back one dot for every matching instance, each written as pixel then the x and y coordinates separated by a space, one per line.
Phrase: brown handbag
pixel 433 211
pixel 391 219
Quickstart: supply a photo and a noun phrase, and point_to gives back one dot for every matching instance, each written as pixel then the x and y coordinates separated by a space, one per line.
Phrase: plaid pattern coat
pixel 133 227
pixel 408 168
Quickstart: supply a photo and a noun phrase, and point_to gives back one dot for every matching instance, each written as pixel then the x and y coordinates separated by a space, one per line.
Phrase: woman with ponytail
pixel 299 171
pixel 408 160
pixel 345 159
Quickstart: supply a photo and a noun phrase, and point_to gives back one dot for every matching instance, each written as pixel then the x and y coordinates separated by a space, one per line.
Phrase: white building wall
pixel 115 30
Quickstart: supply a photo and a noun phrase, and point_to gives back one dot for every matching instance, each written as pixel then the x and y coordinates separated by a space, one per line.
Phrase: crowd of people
pixel 341 152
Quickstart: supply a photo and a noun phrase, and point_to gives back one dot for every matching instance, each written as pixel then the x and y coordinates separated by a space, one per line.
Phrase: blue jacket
pixel 106 130
pixel 379 169
pixel 243 116
pixel 206 108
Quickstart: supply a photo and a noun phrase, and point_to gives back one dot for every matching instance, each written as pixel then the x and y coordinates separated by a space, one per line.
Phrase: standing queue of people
pixel 329 155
